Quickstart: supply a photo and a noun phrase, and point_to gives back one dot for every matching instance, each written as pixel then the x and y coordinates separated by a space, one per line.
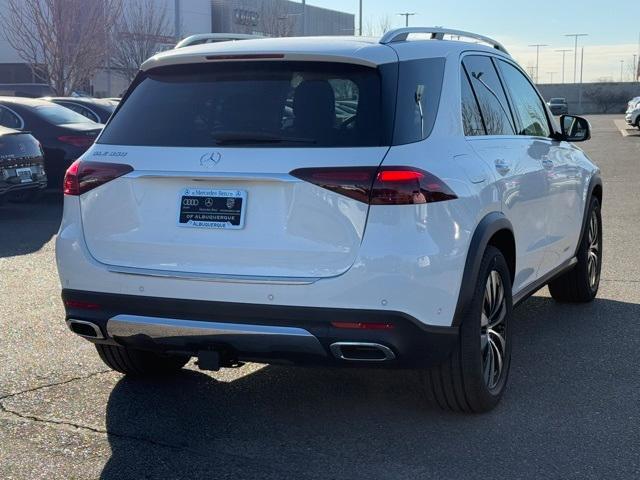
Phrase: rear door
pixel 212 147
pixel 521 179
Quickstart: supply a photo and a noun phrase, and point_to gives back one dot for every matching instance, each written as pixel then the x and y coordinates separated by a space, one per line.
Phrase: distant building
pixel 281 18
pixel 188 17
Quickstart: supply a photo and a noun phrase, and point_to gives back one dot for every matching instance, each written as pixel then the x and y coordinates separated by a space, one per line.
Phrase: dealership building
pixel 187 17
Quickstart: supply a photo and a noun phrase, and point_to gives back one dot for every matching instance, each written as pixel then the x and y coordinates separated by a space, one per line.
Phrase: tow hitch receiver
pixel 208 360
pixel 214 360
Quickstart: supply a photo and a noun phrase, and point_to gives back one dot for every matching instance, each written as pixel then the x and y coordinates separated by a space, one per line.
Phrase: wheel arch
pixel 593 190
pixel 496 230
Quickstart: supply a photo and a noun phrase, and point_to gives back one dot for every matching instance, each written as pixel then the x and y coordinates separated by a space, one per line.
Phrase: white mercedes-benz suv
pixel 329 201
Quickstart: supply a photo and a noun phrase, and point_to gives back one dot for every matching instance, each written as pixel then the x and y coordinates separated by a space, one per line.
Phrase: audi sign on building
pixel 278 18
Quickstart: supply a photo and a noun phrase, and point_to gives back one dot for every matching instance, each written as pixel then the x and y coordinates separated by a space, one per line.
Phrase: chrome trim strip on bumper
pixel 211 277
pixel 249 338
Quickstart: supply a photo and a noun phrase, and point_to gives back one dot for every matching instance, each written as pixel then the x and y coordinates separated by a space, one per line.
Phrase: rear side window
pixel 491 97
pixel 85 112
pixel 9 119
pixel 279 104
pixel 471 118
pixel 59 115
pixel 528 107
pixel 419 86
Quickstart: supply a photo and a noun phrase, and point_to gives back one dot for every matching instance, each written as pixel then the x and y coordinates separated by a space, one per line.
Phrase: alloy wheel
pixel 493 330
pixel 593 252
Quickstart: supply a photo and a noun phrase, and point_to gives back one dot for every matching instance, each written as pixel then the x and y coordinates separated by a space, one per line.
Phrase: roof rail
pixel 437 33
pixel 200 38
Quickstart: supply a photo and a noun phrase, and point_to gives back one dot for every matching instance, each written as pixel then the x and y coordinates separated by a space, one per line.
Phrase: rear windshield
pixel 18 146
pixel 296 104
pixel 59 115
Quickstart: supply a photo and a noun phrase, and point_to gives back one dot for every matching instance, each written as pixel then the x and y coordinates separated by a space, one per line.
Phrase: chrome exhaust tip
pixel 85 329
pixel 362 352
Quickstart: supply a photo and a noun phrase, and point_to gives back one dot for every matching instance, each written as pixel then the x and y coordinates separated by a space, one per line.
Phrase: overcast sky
pixel 613 28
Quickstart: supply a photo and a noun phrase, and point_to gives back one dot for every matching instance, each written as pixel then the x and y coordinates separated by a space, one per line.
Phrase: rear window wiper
pixel 239 138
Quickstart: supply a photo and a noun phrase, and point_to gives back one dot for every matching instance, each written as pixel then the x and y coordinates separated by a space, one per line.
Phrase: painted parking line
pixel 626 130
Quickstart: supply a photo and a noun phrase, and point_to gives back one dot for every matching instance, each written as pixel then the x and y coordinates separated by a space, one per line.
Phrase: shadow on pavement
pixel 26 227
pixel 569 412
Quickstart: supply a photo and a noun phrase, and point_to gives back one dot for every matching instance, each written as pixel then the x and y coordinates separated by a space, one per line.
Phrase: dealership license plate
pixel 212 208
pixel 24 174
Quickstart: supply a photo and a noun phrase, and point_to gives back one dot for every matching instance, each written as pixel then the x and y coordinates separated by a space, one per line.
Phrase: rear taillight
pixel 83 176
pixel 77 140
pixel 81 305
pixel 379 186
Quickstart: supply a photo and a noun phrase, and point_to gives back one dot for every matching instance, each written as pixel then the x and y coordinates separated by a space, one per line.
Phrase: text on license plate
pixel 212 208
pixel 24 174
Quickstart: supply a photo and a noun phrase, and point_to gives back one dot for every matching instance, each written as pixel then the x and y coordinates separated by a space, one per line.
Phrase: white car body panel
pixel 407 258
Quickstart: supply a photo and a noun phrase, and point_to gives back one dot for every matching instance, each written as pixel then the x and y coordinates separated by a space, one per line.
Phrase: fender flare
pixel 486 228
pixel 594 182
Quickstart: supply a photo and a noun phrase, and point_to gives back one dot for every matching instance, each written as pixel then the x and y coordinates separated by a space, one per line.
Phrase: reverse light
pixel 83 176
pixel 379 186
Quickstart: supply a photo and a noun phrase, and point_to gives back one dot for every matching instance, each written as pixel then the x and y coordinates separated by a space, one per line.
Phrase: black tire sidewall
pixel 478 394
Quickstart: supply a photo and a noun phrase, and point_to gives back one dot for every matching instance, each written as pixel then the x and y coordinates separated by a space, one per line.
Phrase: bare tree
pixel 142 31
pixel 608 100
pixel 377 27
pixel 63 41
pixel 276 20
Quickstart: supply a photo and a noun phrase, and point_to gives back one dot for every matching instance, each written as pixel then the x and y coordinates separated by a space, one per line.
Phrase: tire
pixel 468 381
pixel 580 284
pixel 139 363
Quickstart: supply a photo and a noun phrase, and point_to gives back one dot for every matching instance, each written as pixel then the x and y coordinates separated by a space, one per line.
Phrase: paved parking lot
pixel 572 409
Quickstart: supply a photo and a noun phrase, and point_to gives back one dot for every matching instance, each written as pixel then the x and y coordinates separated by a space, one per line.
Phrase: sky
pixel 613 28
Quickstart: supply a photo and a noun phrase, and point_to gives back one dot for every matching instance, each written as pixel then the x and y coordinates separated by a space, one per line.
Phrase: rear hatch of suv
pixel 204 155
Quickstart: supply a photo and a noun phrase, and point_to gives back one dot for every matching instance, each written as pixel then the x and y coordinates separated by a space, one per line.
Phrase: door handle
pixel 502 166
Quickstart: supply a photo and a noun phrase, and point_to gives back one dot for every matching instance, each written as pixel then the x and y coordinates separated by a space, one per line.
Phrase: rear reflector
pixel 363 325
pixel 81 305
pixel 379 186
pixel 83 176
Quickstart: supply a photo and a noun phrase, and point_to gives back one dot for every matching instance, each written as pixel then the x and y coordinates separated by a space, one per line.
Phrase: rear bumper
pixel 262 333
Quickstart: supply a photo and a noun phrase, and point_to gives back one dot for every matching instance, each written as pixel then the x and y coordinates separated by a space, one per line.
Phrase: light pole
pixel 360 18
pixel 575 55
pixel 406 16
pixel 621 70
pixel 538 45
pixel 564 51
pixel 551 76
pixel 635 68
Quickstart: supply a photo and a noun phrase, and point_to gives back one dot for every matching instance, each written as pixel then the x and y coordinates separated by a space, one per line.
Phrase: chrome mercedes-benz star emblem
pixel 231 202
pixel 210 160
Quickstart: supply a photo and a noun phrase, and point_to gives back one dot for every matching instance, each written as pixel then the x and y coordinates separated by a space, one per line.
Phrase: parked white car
pixel 333 201
pixel 632 115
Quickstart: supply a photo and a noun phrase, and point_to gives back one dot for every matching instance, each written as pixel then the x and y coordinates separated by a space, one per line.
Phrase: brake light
pixel 84 176
pixel 77 140
pixel 380 186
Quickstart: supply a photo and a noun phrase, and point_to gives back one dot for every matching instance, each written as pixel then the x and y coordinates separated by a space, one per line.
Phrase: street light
pixel 575 55
pixel 406 16
pixel 551 74
pixel 564 51
pixel 621 70
pixel 538 45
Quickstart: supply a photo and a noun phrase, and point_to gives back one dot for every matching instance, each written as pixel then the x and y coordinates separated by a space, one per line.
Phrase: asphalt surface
pixel 571 411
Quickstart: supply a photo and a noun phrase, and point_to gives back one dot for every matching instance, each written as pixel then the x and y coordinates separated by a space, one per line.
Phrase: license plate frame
pixel 212 208
pixel 23 178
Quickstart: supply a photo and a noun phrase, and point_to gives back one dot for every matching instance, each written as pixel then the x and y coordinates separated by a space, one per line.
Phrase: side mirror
pixel 575 129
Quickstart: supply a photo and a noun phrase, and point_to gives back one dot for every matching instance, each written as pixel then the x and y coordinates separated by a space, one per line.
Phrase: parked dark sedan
pixel 96 109
pixel 63 133
pixel 558 106
pixel 22 174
